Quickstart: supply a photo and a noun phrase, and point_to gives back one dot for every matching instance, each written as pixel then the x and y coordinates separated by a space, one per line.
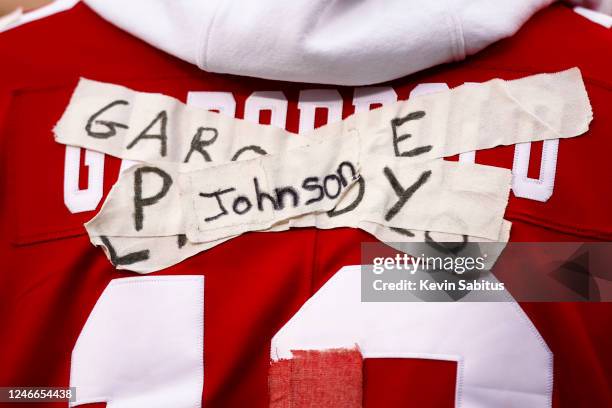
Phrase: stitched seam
pixel 34 87
pixel 139 280
pixel 529 324
pixel 547 224
pixel 539 180
pixel 41 237
pixel 460 51
pixel 201 304
pixel 523 319
pixel 452 31
pixel 460 384
pixel 202 56
pixel 314 259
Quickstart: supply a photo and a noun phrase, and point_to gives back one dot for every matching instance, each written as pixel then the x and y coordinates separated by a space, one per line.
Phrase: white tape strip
pixel 256 194
pixel 380 171
pixel 156 129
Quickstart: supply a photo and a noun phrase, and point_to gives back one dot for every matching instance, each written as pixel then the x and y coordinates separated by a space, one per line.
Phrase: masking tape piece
pixel 380 171
pixel 157 129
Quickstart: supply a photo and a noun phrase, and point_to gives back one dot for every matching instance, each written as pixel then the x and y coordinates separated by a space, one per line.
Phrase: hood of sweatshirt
pixel 340 42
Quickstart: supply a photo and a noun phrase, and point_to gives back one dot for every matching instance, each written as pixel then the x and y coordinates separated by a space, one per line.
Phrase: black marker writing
pixel 251 148
pixel 246 205
pixel 404 195
pixel 403 231
pixel 128 259
pixel 447 248
pixel 397 122
pixel 335 182
pixel 161 117
pixel 198 145
pixel 282 192
pixel 217 194
pixel 285 196
pixel 181 240
pixel 334 212
pixel 261 196
pixel 139 201
pixel 312 184
pixel 110 125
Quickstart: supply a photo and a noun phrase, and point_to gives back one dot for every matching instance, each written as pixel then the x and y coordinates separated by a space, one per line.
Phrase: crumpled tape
pixel 395 151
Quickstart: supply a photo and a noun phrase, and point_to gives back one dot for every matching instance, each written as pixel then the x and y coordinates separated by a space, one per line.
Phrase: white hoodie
pixel 347 42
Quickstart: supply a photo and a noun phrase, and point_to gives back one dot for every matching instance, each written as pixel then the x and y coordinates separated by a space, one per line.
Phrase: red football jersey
pixel 52 276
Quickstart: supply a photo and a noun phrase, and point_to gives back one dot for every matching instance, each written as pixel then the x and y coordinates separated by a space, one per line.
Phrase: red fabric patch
pixel 409 382
pixel 331 378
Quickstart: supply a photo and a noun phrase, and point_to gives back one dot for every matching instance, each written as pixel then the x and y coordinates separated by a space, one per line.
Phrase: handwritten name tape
pixel 205 178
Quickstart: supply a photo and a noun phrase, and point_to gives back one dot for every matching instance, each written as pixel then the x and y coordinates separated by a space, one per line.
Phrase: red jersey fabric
pixel 51 276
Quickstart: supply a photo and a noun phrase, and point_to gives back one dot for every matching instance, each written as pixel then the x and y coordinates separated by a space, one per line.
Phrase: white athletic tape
pixel 380 171
pixel 254 195
pixel 154 128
